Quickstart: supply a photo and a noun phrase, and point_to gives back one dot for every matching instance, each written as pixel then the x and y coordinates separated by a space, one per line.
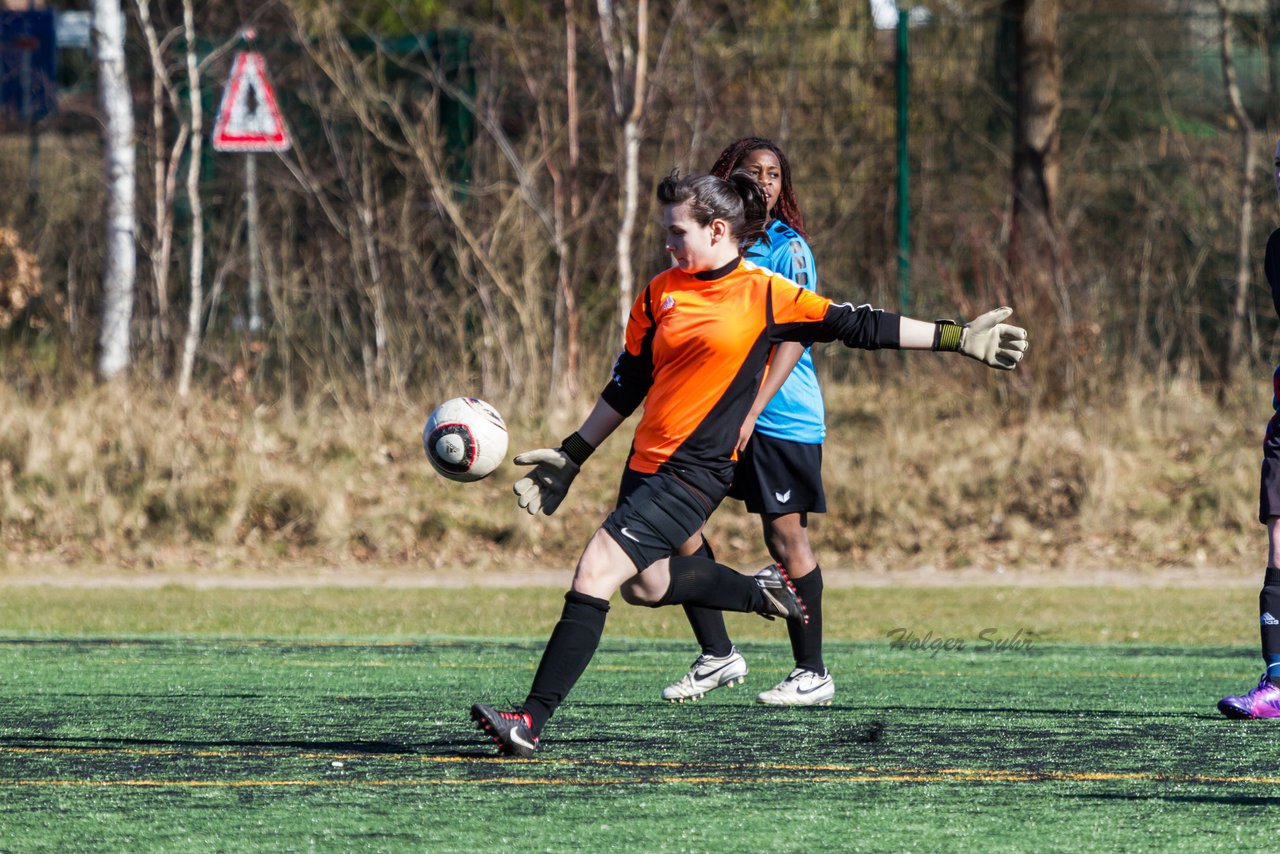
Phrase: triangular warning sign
pixel 248 117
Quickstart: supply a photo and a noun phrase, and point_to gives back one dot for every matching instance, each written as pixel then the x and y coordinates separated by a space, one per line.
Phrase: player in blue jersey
pixel 779 472
pixel 1264 700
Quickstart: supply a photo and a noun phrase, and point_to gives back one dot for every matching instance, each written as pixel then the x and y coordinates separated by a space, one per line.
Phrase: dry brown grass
pixel 21 279
pixel 919 477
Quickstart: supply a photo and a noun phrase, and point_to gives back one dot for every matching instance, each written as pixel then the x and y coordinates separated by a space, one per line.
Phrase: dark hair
pixel 737 199
pixel 787 208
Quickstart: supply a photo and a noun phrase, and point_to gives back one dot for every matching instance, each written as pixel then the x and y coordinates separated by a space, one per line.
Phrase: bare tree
pixel 485 253
pixel 367 210
pixel 1269 31
pixel 121 261
pixel 560 156
pixel 1244 231
pixel 568 315
pixel 1035 253
pixel 628 73
pixel 164 166
pixel 192 341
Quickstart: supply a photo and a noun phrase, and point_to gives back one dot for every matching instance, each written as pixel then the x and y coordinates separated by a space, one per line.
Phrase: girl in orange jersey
pixel 697 343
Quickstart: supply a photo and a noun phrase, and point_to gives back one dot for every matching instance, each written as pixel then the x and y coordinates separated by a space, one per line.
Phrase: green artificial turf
pixel 1197 616
pixel 226 744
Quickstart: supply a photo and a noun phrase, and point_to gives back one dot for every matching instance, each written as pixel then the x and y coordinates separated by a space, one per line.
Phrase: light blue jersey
pixel 795 413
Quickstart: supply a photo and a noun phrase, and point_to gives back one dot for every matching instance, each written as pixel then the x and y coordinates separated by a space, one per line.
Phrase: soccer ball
pixel 465 439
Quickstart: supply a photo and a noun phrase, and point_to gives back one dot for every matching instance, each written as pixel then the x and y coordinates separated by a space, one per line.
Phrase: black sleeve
pixel 632 373
pixel 861 327
pixel 1272 265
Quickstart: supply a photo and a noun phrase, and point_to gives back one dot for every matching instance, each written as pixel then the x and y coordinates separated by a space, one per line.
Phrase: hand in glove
pixel 542 489
pixel 988 339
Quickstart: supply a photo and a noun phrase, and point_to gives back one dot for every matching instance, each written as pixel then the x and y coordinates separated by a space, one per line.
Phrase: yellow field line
pixel 852 773
pixel 322 664
pixel 870 776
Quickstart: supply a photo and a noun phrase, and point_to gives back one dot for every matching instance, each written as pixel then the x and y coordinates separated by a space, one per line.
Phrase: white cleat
pixel 707 674
pixel 800 688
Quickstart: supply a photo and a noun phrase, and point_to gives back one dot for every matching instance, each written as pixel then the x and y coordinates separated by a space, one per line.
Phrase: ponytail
pixel 739 201
pixel 755 208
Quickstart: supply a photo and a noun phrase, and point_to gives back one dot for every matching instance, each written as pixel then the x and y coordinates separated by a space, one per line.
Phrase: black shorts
pixel 656 514
pixel 778 477
pixel 1269 492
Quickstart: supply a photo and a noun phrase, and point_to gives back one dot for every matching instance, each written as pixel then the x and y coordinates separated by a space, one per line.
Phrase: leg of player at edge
pixel 1263 701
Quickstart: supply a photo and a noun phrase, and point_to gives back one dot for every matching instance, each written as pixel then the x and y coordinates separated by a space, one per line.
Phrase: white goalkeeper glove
pixel 986 338
pixel 542 490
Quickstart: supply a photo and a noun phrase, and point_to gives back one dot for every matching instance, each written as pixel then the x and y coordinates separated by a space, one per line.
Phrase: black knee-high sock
pixel 568 652
pixel 708 624
pixel 806 638
pixel 1269 611
pixel 698 581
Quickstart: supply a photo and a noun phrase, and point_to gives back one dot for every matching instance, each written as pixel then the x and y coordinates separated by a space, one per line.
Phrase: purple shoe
pixel 1261 702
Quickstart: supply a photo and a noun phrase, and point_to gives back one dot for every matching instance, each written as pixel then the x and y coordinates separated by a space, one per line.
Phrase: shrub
pixel 280 511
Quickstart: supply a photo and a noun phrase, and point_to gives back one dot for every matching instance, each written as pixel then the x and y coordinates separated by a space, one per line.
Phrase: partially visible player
pixel 779 473
pixel 696 345
pixel 1264 700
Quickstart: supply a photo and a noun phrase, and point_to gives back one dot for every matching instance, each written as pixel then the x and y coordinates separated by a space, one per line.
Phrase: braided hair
pixel 786 208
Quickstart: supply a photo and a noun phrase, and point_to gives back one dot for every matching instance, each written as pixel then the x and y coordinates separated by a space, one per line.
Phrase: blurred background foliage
pixel 420 239
pixel 410 236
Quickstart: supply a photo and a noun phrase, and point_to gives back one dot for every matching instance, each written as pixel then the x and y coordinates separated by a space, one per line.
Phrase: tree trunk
pixel 1270 32
pixel 1035 250
pixel 568 270
pixel 1035 146
pixel 121 248
pixel 1244 232
pixel 194 311
pixel 626 229
pixel 628 67
pixel 164 166
pixel 368 209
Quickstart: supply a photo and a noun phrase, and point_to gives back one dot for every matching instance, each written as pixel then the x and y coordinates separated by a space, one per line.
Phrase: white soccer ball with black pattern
pixel 465 439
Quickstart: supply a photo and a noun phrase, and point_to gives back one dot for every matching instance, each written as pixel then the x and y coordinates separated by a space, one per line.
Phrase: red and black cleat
pixel 780 596
pixel 512 731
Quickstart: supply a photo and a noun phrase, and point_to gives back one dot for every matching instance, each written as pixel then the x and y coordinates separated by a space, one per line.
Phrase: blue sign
pixel 28 64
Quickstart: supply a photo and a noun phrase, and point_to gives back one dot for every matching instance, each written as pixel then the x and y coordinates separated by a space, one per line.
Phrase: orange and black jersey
pixel 695 353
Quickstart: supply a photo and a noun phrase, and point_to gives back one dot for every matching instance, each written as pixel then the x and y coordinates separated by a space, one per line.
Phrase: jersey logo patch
pixel 668 303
